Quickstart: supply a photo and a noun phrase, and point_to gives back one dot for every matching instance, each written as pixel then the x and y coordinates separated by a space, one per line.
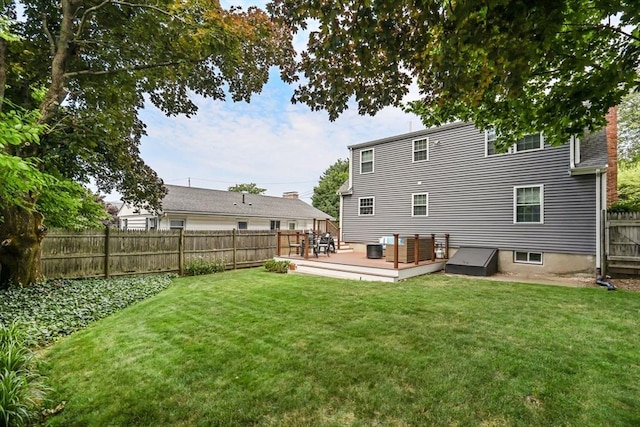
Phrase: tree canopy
pixel 325 195
pixel 75 73
pixel 629 129
pixel 250 188
pixel 518 66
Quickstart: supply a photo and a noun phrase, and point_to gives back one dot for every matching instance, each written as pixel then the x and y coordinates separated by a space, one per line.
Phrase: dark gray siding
pixel 470 195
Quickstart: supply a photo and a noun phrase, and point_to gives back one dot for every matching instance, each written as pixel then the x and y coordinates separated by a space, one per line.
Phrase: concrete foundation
pixel 552 263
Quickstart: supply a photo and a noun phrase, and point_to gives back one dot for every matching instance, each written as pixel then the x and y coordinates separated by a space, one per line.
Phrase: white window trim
pixel 413 206
pixel 515 203
pixel 486 147
pixel 413 153
pixel 517 261
pixel 373 160
pixel 290 223
pixel 373 206
pixel 513 149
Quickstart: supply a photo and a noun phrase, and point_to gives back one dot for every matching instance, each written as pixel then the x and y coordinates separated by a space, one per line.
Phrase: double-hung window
pixel 529 142
pixel 528 204
pixel 366 205
pixel 420 204
pixel 420 149
pixel 366 161
pixel 275 225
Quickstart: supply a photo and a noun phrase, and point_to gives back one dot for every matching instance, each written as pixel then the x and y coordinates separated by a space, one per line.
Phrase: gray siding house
pixel 541 206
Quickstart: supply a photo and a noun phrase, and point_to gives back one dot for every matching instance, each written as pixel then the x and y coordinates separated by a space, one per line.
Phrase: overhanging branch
pixel 120 70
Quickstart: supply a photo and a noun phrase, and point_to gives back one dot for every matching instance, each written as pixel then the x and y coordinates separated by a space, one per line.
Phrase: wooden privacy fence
pixel 113 252
pixel 622 236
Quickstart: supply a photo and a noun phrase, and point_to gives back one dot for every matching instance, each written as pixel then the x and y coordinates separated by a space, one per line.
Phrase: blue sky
pixel 271 142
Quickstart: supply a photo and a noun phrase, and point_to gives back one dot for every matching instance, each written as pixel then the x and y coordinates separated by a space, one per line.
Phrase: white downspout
pixel 572 149
pixel 598 219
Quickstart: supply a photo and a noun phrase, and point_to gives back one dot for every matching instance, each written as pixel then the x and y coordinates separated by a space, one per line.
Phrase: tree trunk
pixel 21 233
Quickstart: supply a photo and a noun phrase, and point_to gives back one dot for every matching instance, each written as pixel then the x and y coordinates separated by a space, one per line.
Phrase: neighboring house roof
pixel 593 150
pixel 227 203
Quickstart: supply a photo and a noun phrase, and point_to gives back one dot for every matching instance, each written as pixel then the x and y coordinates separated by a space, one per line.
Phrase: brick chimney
pixel 290 195
pixel 612 155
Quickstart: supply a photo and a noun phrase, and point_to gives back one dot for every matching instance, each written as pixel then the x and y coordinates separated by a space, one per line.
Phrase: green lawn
pixel 256 348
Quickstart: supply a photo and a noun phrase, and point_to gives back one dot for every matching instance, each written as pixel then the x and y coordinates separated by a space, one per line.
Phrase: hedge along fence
pixel 113 252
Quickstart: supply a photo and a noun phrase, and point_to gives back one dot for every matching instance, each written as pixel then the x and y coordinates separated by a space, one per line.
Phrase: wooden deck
pixel 356 265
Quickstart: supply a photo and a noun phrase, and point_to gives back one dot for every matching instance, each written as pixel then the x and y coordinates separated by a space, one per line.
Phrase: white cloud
pixel 279 146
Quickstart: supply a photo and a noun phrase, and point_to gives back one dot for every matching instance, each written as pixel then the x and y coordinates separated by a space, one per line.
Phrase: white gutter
pixel 572 158
pixel 350 169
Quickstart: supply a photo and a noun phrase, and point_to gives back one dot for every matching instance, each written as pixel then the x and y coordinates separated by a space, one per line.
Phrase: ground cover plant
pixel 254 348
pixel 56 308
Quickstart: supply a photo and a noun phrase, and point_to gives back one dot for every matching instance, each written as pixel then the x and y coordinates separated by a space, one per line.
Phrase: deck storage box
pixel 406 245
pixel 473 262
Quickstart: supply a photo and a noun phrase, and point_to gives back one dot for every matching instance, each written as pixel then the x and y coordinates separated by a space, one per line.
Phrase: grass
pixel 256 348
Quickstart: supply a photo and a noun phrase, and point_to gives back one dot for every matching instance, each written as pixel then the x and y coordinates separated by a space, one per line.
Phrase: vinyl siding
pixel 470 195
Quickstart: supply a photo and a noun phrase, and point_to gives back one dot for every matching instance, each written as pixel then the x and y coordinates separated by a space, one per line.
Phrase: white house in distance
pixel 204 209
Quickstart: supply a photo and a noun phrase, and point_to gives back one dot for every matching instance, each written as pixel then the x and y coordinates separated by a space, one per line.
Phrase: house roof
pixel 344 188
pixel 204 201
pixel 593 150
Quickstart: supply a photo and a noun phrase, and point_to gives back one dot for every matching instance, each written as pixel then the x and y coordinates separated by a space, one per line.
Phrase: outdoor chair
pixel 324 244
pixel 293 244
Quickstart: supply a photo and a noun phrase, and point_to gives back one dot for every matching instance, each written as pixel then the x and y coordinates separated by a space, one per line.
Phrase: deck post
pixel 306 245
pixel 395 251
pixel 446 246
pixel 339 237
pixel 433 247
pixel 278 234
pixel 416 249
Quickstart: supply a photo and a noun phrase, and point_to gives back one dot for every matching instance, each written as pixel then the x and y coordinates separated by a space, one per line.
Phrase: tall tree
pixel 519 66
pixel 629 129
pixel 325 194
pixel 98 62
pixel 250 188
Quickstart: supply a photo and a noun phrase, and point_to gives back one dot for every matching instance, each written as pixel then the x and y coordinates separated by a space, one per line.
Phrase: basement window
pixel 527 257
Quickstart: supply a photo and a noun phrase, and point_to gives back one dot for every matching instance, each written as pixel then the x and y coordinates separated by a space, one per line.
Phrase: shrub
pixel 200 266
pixel 22 389
pixel 624 206
pixel 277 266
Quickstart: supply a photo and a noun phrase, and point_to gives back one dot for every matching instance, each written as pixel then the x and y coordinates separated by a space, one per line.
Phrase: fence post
pixel 416 249
pixel 235 248
pixel 605 244
pixel 181 252
pixel 278 233
pixel 107 250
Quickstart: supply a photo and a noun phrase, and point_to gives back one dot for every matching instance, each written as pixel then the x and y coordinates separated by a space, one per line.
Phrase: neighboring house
pixel 203 209
pixel 541 206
